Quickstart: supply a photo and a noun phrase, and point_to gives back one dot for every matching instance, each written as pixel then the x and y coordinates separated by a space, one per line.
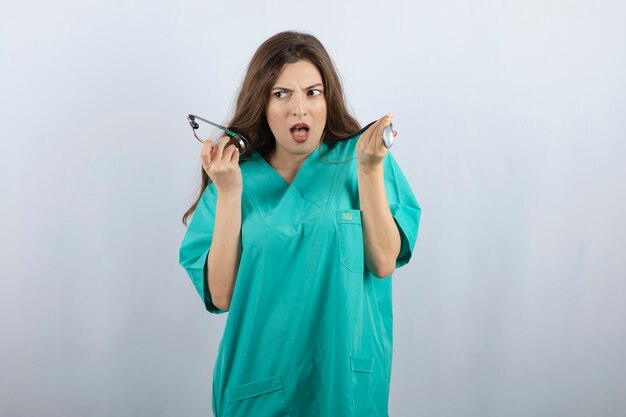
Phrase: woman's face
pixel 296 110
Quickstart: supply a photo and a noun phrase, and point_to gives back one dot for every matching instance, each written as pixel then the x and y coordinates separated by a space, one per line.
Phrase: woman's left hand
pixel 370 150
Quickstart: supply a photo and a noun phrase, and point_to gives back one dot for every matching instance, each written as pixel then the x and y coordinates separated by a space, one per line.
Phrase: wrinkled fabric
pixel 309 330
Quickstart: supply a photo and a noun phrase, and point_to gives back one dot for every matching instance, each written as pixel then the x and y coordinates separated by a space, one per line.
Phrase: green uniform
pixel 309 330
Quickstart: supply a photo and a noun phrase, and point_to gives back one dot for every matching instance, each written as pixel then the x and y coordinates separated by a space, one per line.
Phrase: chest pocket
pixel 350 240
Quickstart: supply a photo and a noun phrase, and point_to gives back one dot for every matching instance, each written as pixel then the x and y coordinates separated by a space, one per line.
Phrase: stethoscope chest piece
pixel 388 136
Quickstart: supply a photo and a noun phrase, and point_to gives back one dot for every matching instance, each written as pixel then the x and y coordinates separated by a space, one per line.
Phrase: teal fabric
pixel 309 330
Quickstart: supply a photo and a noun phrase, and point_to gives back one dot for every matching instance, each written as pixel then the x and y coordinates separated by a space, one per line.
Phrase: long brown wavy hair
pixel 266 65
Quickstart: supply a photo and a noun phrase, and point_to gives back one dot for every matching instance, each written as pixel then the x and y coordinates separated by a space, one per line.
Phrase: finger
pixel 379 141
pixel 206 153
pixel 376 134
pixel 219 149
pixel 235 152
pixel 228 152
pixel 219 140
pixel 235 155
pixel 385 121
pixel 369 133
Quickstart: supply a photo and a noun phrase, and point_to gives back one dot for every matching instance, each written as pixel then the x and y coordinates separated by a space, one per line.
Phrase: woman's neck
pixel 284 161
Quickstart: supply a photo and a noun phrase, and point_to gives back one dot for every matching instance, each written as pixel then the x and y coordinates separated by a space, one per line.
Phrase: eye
pixel 280 94
pixel 315 92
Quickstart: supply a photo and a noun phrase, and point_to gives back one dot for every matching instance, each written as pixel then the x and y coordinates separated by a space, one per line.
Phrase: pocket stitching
pixel 255 389
pixel 362 374
pixel 362 365
pixel 342 223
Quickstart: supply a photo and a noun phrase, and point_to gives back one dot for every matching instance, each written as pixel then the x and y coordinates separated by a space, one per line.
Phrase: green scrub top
pixel 309 330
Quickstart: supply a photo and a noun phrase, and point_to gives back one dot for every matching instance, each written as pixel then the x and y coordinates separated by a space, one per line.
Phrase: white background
pixel 512 135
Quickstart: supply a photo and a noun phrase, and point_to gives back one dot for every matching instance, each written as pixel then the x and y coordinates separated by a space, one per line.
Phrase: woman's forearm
pixel 223 259
pixel 380 233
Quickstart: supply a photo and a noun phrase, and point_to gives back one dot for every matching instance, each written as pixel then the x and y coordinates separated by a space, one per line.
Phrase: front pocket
pixel 262 398
pixel 350 240
pixel 362 365
pixel 362 370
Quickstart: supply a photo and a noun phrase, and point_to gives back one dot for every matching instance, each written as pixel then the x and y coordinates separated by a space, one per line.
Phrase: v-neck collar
pixel 315 154
pixel 312 183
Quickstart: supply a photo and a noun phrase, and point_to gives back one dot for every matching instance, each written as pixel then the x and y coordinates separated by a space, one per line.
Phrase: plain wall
pixel 511 132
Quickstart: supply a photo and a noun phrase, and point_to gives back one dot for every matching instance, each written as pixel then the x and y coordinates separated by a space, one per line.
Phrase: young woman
pixel 297 239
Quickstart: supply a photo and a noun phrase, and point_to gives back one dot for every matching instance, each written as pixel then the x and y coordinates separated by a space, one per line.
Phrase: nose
pixel 298 105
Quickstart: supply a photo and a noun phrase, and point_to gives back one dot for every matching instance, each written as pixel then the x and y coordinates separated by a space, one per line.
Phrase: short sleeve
pixel 197 242
pixel 404 208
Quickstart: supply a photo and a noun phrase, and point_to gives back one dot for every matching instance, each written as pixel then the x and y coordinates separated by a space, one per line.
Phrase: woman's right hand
pixel 222 165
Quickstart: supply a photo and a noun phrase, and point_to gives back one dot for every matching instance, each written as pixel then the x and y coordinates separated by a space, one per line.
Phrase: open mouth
pixel 300 132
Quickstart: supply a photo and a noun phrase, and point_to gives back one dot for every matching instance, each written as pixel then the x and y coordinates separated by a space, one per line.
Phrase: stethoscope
pixel 387 135
pixel 244 145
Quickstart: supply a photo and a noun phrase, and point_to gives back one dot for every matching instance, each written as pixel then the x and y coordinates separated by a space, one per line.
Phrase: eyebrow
pixel 306 88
